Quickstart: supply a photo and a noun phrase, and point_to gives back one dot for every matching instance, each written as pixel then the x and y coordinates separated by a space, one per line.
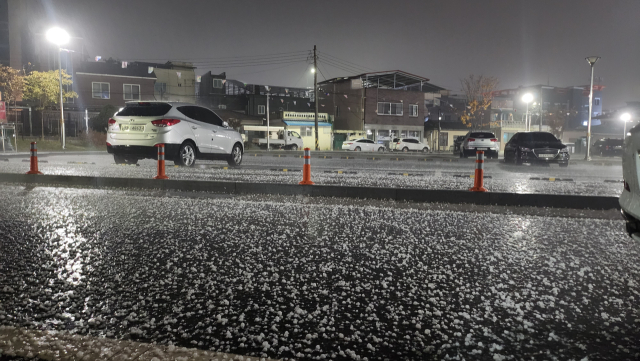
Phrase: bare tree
pixel 234 123
pixel 478 91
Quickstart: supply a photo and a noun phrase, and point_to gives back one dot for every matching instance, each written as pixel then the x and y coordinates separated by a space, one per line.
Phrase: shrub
pixel 99 122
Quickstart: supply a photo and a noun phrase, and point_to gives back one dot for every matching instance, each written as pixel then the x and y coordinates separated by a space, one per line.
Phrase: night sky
pixel 519 42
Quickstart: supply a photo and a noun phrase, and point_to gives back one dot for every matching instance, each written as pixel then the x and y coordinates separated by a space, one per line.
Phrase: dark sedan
pixel 608 147
pixel 538 147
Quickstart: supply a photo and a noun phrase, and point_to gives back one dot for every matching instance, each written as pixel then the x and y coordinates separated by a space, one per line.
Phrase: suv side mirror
pixel 225 124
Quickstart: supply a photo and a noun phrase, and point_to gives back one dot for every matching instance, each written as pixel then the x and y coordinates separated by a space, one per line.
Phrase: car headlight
pixel 564 150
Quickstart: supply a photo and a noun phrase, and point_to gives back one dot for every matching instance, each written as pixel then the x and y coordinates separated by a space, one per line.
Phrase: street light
pixel 59 37
pixel 527 98
pixel 625 118
pixel 592 61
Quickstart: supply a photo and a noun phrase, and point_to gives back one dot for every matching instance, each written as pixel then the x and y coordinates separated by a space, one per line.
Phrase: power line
pixel 250 61
pixel 350 71
pixel 263 56
pixel 335 58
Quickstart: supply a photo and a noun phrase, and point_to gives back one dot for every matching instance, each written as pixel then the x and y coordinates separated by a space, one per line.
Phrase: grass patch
pixel 94 141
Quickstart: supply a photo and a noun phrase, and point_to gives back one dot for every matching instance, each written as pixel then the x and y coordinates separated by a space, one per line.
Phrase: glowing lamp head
pixel 57 36
pixel 625 117
pixel 527 98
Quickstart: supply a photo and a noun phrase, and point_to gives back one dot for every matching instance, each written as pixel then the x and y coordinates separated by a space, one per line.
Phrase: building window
pixel 596 101
pixel 414 134
pixel 217 83
pixel 261 109
pixel 389 108
pixel 131 91
pixel 100 90
pixel 222 106
pixel 306 131
pixel 403 134
pixel 413 110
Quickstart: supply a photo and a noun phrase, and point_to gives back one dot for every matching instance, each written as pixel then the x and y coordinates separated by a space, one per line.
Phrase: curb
pixel 398 194
pixel 553 179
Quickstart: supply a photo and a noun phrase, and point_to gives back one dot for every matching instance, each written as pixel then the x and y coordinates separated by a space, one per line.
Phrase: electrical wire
pixel 257 57
pixel 346 62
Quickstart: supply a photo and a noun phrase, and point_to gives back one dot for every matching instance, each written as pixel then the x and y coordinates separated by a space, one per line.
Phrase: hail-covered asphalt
pixel 577 180
pixel 305 279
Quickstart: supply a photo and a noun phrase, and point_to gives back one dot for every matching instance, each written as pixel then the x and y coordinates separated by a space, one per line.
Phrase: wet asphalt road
pixel 307 279
pixel 601 177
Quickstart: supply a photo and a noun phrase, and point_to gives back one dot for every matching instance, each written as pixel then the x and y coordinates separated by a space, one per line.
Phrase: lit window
pixel 100 90
pixel 222 106
pixel 261 109
pixel 131 91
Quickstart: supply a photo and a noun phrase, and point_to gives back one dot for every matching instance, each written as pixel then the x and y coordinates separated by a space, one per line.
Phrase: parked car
pixel 408 144
pixel 188 132
pixel 475 141
pixel 630 197
pixel 542 147
pixel 363 145
pixel 608 147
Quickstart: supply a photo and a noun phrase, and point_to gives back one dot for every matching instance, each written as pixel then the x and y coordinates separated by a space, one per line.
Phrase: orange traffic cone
pixel 161 174
pixel 33 169
pixel 478 181
pixel 306 170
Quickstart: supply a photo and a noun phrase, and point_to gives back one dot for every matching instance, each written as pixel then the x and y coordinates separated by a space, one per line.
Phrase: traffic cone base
pixel 33 164
pixel 306 169
pixel 161 174
pixel 478 179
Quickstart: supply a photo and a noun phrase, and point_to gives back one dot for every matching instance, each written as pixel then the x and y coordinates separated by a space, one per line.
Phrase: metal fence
pixel 35 123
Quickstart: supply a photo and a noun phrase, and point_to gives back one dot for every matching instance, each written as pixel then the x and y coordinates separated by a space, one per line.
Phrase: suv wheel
pixel 405 149
pixel 294 147
pixel 425 150
pixel 381 149
pixel 235 159
pixel 186 155
pixel 357 149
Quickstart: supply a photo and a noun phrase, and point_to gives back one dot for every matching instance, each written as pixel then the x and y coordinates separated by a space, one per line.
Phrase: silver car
pixel 475 141
pixel 188 132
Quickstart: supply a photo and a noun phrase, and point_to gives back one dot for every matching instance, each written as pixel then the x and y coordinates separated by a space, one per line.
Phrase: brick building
pixel 380 106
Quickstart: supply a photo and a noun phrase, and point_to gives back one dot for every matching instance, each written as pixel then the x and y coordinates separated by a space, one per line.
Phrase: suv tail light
pixel 472 139
pixel 165 122
pixel 397 143
pixel 494 140
pixel 626 186
pixel 112 121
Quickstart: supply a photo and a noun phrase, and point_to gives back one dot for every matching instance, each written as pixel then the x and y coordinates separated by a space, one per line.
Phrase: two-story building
pixel 115 83
pixel 379 106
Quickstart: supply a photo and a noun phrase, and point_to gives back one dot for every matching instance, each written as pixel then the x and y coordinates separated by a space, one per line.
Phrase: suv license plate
pixel 132 128
pixel 546 155
pixel 482 148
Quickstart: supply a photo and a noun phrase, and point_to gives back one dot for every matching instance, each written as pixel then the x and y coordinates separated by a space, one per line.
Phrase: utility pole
pixel 268 132
pixel 315 91
pixel 62 134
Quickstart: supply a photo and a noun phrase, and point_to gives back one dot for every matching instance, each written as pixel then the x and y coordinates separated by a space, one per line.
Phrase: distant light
pixel 585 123
pixel 98 58
pixel 527 98
pixel 625 117
pixel 313 70
pixel 592 59
pixel 57 36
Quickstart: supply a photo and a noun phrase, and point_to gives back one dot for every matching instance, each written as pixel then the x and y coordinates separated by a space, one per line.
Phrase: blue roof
pixel 298 123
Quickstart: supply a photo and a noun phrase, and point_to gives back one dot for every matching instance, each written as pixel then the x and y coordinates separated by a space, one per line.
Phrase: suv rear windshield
pixel 538 137
pixel 396 140
pixel 482 135
pixel 144 110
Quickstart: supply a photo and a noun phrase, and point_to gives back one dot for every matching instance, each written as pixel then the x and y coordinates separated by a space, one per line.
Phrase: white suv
pixel 408 144
pixel 187 131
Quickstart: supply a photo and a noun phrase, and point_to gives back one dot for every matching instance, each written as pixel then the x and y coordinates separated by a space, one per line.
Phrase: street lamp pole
pixel 625 118
pixel 527 98
pixel 592 61
pixel 61 99
pixel 59 37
